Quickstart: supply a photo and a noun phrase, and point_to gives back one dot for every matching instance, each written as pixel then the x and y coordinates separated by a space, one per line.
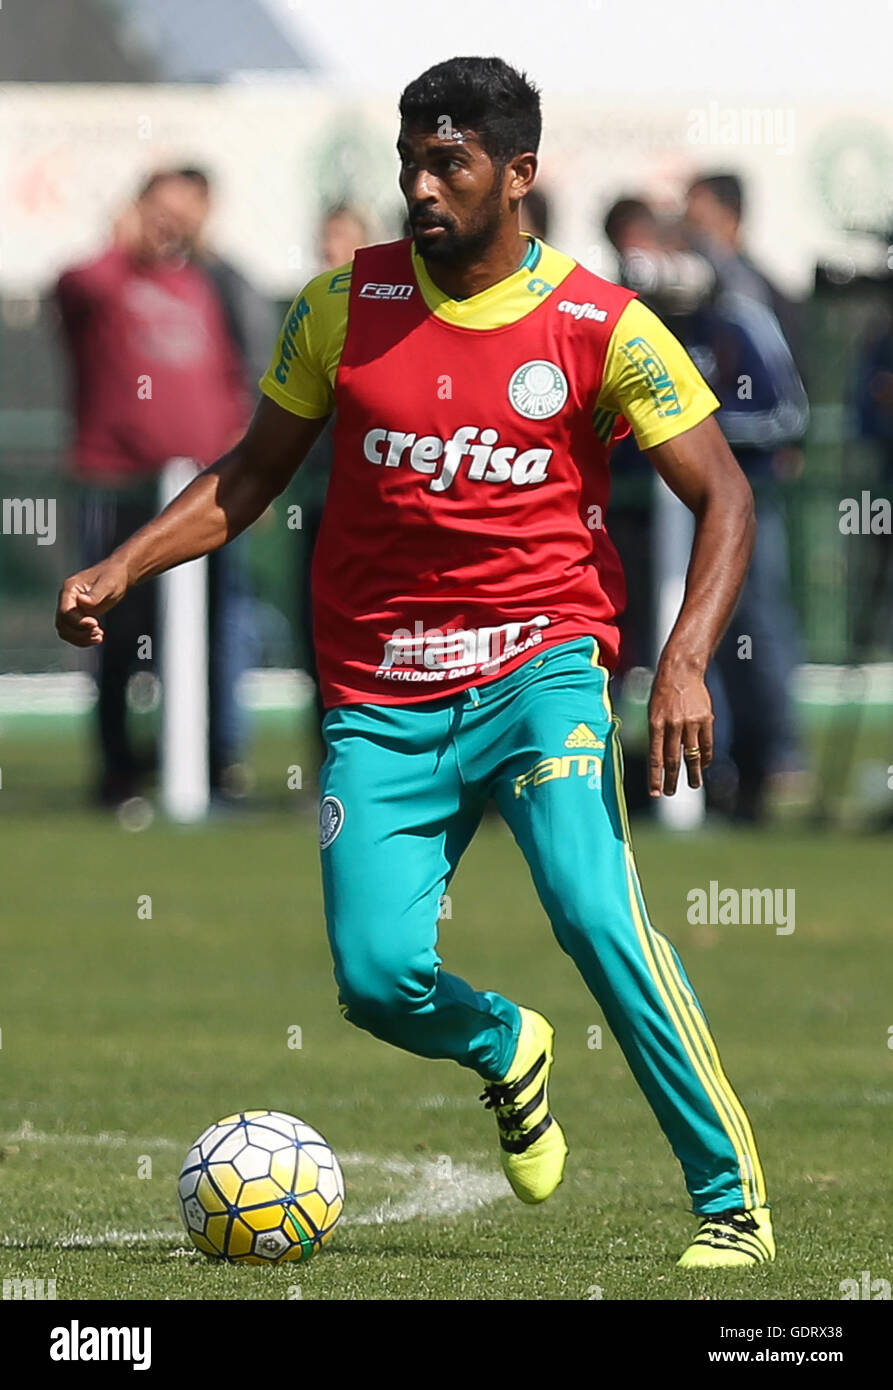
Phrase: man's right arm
pixel 216 506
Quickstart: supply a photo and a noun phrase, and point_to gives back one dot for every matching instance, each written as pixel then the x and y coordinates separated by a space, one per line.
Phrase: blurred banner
pixel 820 180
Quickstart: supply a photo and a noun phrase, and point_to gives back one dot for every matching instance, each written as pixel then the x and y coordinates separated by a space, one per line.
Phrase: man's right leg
pixel 395 817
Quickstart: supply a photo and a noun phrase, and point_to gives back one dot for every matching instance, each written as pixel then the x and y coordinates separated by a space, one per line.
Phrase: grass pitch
pixel 124 1036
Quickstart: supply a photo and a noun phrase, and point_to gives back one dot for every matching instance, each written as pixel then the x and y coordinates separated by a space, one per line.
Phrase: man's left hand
pixel 680 718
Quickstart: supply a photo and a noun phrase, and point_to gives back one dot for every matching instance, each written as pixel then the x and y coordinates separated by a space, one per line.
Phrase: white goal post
pixel 183 635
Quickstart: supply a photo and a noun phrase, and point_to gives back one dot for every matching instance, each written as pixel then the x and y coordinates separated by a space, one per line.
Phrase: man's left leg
pixel 558 784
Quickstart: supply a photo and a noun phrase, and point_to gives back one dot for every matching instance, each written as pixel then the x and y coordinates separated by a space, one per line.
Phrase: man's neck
pixel 500 260
pixel 148 260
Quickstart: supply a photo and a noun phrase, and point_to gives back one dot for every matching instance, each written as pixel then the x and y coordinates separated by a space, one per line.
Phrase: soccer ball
pixel 259 1188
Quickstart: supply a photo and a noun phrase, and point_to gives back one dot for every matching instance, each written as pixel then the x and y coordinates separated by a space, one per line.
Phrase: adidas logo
pixel 583 737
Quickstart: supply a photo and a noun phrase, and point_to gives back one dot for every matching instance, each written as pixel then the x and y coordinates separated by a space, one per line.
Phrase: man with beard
pixel 465 603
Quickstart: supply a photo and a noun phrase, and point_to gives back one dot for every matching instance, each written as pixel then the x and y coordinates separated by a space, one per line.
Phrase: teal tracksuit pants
pixel 403 790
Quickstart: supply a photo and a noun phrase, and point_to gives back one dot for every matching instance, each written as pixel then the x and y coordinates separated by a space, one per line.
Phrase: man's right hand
pixel 85 597
pixel 216 506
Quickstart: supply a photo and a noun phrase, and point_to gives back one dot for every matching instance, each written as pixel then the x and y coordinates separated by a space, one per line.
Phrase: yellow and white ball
pixel 260 1187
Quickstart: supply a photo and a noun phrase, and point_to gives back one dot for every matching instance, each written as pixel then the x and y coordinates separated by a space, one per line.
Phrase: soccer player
pixel 466 597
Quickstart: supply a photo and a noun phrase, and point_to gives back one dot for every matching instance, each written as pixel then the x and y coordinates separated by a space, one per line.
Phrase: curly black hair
pixel 486 95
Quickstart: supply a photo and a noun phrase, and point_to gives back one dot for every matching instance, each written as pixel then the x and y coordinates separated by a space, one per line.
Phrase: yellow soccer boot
pixel 730 1240
pixel 532 1143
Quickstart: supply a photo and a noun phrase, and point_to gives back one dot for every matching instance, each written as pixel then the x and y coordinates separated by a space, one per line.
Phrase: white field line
pixel 433 1194
pixel 80 1240
pixel 27 1135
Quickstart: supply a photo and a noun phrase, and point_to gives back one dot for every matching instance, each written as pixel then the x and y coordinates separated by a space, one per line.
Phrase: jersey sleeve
pixel 302 370
pixel 650 379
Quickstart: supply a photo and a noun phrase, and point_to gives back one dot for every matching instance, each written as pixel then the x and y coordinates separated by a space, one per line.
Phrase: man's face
pixel 455 196
pixel 172 213
pixel 340 237
pixel 707 216
pixel 639 235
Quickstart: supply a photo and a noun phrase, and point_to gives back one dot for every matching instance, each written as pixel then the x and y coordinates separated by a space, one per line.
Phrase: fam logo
pixel 538 389
pixel 650 367
pixel 588 765
pixel 331 819
pixel 373 291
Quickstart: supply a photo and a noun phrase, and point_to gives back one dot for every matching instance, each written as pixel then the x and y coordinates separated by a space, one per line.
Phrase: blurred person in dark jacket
pixel 721 313
pixel 763 413
pixel 155 376
pixel 713 215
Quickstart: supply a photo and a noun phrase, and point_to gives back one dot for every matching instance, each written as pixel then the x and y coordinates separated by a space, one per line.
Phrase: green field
pixel 122 1038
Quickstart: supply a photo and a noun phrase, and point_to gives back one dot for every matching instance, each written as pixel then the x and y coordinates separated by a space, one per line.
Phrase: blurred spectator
pixel 679 279
pixel 714 212
pixel 756 336
pixel 763 410
pixel 720 311
pixel 155 375
pixel 342 230
pixel 631 225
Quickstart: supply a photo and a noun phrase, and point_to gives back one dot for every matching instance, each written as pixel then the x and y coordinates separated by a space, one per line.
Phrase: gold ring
pixel 691 752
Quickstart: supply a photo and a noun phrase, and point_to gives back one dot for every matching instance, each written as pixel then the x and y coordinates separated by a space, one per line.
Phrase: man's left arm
pixel 699 468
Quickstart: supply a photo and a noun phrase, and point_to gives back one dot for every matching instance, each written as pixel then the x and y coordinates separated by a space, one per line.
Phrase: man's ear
pixel 522 172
